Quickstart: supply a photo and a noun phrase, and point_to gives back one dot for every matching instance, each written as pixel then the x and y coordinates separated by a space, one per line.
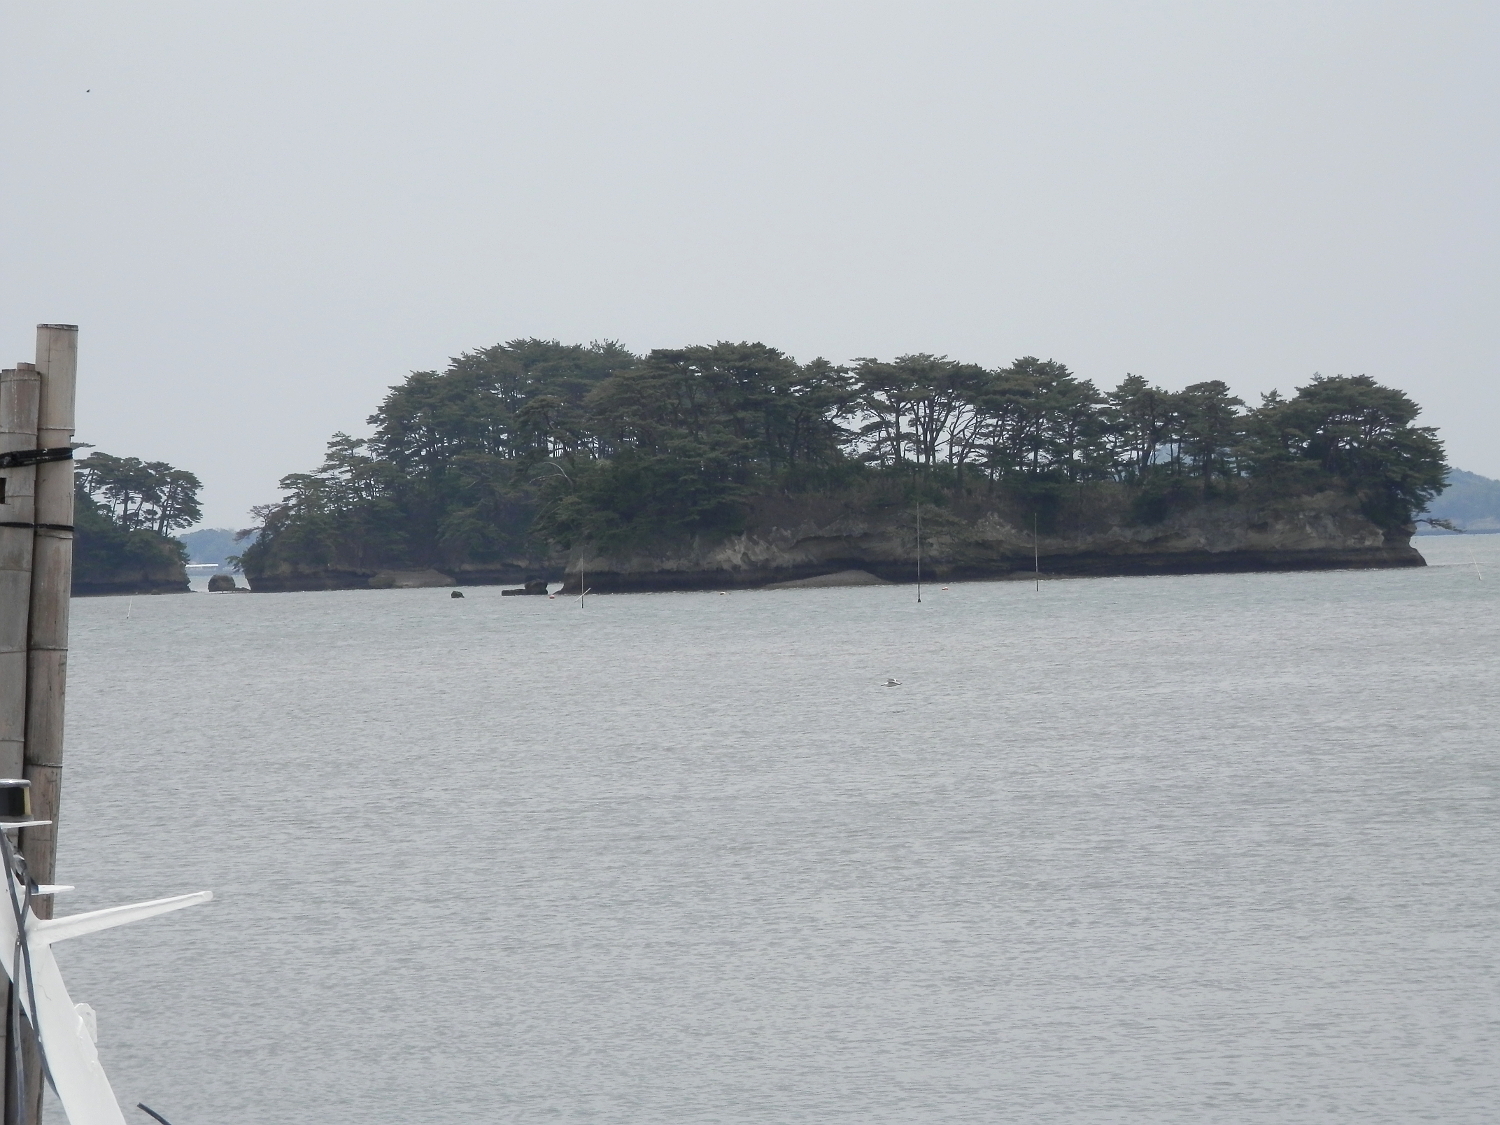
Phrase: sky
pixel 262 215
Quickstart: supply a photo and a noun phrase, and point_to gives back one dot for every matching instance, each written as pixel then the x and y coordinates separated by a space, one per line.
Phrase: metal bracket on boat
pixel 65 1030
pixel 72 1060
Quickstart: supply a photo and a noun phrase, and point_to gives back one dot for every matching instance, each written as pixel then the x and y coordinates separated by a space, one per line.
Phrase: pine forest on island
pixel 533 447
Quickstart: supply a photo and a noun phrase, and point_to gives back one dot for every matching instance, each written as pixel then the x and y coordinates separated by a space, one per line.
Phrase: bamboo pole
pixel 47 657
pixel 19 391
pixel 51 587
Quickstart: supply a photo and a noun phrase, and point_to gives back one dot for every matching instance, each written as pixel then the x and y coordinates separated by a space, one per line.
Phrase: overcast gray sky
pixel 263 214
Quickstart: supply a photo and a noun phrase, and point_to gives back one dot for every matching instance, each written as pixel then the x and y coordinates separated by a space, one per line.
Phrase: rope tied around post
pixel 20 458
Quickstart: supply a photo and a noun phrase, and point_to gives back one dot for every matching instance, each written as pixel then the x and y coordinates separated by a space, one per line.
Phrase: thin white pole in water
pixel 919 552
pixel 1036 556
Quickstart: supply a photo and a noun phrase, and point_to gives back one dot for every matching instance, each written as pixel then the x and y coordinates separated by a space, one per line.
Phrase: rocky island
pixel 734 466
pixel 123 510
pixel 1318 532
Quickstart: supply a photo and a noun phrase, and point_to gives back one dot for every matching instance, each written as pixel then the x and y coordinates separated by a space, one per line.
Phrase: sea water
pixel 1219 848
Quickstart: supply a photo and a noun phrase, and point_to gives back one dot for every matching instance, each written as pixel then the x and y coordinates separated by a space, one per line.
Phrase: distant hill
pixel 212 545
pixel 1470 501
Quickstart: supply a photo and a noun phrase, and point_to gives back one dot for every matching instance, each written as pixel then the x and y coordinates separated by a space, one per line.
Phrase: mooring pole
pixel 51 586
pixel 20 389
pixel 47 631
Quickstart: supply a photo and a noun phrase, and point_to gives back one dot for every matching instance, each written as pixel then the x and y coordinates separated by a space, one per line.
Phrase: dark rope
pixel 22 457
pixel 152 1112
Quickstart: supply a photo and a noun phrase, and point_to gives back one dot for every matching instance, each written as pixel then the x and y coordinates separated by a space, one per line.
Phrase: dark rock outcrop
pixel 533 586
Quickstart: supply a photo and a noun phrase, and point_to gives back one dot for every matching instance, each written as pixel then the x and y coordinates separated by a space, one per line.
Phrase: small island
pixel 734 465
pixel 124 511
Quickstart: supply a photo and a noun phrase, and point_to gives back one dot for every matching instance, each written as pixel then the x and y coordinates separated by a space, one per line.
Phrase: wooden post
pixel 47 658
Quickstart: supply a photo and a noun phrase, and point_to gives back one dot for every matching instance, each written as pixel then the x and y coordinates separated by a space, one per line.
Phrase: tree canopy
pixel 140 495
pixel 535 443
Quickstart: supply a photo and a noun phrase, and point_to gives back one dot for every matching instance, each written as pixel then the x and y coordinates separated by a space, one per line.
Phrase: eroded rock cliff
pixel 1091 534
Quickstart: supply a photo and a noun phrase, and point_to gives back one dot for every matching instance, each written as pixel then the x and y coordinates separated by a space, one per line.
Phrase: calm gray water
pixel 1204 849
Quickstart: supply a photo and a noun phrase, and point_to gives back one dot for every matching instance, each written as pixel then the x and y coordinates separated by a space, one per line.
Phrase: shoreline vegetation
pixel 733 465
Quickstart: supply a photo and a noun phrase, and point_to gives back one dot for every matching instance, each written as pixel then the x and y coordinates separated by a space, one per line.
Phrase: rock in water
pixel 221 583
pixel 536 586
pixel 456 594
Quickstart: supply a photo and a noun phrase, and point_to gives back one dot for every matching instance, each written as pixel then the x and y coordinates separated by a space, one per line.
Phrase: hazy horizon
pixel 261 216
